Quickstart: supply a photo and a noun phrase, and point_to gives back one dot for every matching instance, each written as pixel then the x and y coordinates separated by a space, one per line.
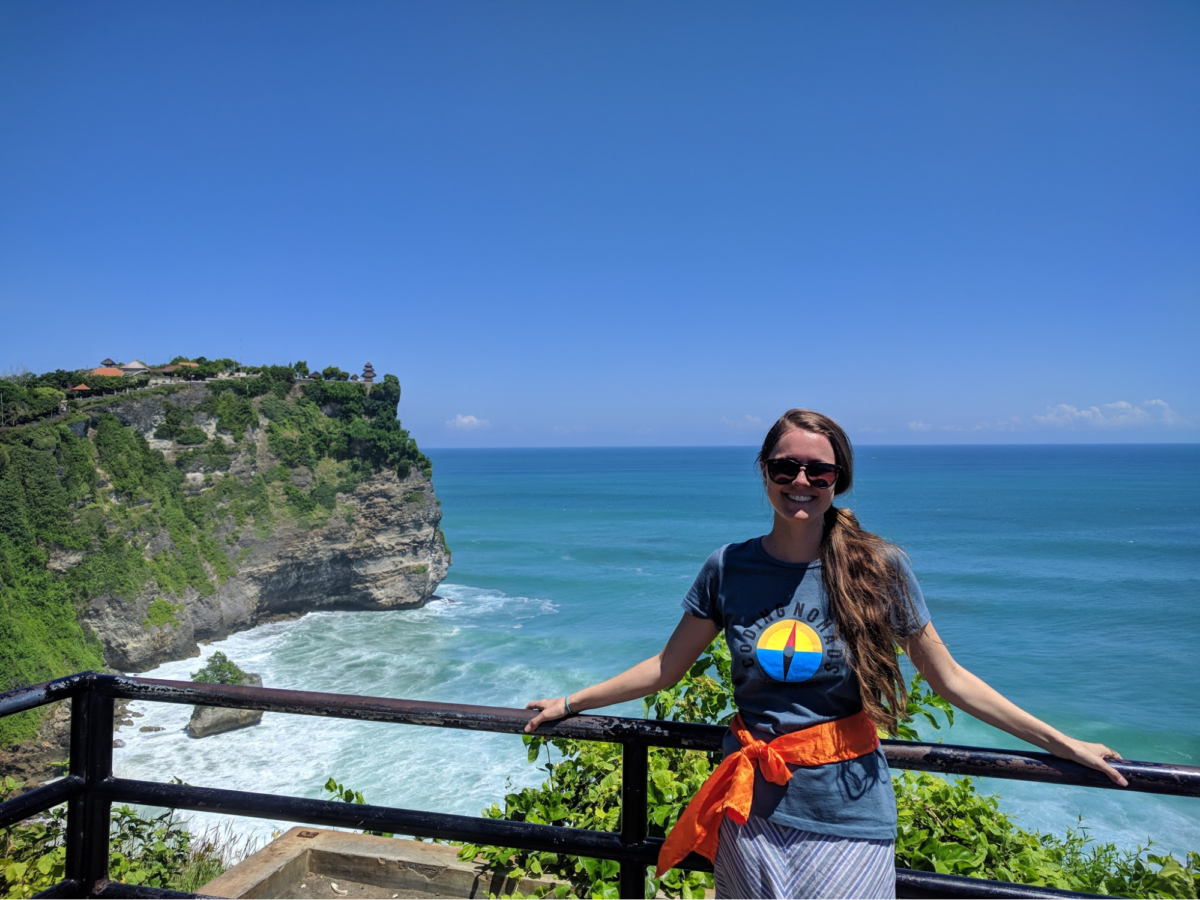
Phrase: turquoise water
pixel 1067 577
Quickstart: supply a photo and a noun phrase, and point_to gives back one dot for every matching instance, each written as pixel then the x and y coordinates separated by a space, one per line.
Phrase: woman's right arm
pixel 691 637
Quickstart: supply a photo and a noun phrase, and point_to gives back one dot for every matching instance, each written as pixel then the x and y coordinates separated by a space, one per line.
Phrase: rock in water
pixel 208 720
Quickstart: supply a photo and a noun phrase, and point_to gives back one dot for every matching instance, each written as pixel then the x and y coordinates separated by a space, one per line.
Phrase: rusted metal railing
pixel 91 788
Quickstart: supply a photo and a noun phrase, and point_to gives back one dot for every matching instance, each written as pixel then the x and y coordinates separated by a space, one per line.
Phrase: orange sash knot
pixel 730 788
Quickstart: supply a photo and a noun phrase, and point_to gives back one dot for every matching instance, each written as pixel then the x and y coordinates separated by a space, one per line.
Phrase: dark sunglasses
pixel 819 474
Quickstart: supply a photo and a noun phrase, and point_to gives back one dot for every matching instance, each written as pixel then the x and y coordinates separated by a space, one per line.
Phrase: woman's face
pixel 799 501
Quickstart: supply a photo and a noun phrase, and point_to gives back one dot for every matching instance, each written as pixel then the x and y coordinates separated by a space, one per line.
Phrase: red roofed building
pixel 107 372
pixel 80 387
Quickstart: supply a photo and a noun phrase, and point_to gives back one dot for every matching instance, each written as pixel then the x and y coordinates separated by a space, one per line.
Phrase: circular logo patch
pixel 789 651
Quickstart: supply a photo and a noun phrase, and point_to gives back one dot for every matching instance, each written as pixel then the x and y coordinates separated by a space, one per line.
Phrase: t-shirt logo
pixel 789 651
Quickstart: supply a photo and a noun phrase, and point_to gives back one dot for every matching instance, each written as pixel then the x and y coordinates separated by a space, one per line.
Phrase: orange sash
pixel 730 788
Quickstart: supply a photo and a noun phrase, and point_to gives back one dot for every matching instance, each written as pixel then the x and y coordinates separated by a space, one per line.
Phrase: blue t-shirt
pixel 790 671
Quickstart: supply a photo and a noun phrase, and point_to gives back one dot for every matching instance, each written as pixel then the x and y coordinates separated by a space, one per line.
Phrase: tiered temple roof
pixel 368 374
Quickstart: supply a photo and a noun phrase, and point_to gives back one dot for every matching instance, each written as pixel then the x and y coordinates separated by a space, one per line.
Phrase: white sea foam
pixel 399 654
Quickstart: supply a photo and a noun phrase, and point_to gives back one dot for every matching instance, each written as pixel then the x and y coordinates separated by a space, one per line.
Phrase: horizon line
pixel 856 444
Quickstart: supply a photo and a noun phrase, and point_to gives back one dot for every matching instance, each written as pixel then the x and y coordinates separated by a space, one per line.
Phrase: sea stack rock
pixel 207 720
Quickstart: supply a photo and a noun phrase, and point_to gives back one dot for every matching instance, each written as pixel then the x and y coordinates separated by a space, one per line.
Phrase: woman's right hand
pixel 550 710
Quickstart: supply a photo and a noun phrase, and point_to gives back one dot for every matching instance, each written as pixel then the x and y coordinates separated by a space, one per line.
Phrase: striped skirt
pixel 760 859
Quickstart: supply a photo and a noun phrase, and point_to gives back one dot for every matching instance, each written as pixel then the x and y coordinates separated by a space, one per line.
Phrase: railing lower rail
pixel 90 789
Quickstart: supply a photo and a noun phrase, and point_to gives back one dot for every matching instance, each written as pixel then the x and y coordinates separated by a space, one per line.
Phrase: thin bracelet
pixel 567 704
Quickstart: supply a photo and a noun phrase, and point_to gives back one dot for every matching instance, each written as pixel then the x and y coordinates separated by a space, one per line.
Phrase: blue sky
pixel 617 224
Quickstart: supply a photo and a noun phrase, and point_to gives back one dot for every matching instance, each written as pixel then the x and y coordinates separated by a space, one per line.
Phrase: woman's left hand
pixel 548 710
pixel 1091 755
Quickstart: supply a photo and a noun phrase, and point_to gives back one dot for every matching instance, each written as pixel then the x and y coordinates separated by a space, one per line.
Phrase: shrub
pixel 160 613
pixel 220 669
pixel 233 410
pixel 154 851
pixel 190 435
pixel 301 501
pixel 175 418
pixel 325 495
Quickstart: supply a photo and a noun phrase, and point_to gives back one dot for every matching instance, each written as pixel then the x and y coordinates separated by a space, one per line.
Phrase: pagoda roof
pixel 81 387
pixel 109 362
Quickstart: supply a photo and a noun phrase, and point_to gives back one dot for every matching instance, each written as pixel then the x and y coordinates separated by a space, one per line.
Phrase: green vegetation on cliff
pixel 106 514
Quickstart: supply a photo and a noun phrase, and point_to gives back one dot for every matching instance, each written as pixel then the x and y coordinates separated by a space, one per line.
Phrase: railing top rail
pixel 1145 777
pixel 35 695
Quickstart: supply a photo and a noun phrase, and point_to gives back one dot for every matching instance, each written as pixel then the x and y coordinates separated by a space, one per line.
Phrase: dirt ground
pixel 321 887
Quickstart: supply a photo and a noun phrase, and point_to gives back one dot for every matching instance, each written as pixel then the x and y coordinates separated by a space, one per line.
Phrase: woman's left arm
pixel 975 696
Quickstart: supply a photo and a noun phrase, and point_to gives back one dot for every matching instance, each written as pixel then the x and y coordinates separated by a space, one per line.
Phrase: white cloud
pixel 1120 414
pixel 746 423
pixel 467 423
pixel 1149 414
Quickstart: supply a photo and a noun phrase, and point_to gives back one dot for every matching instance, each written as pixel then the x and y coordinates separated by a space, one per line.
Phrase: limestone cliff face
pixel 381 550
pixel 388 556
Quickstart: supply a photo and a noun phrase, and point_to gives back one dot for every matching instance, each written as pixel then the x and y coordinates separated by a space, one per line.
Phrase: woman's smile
pixel 801 498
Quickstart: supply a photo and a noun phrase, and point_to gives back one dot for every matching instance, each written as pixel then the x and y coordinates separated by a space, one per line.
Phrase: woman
pixel 803 806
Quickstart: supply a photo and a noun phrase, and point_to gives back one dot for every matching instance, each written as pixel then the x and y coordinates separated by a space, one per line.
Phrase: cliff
pixel 145 525
pixel 382 550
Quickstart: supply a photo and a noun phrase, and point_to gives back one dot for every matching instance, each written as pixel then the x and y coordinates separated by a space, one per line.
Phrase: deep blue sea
pixel 1067 577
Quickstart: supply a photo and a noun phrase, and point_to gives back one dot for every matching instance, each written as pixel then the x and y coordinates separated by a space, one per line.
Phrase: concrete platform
pixel 311 862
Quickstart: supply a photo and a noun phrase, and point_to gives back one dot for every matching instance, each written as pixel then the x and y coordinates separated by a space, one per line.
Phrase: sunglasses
pixel 819 474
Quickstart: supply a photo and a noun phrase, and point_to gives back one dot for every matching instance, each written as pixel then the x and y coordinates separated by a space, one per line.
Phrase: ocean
pixel 1068 577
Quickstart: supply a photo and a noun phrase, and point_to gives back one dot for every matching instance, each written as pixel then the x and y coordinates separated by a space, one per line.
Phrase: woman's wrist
pixel 567 704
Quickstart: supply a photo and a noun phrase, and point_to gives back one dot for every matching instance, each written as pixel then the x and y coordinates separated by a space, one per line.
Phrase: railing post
pixel 88 816
pixel 633 815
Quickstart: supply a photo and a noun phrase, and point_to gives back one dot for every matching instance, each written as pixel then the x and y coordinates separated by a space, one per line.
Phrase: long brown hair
pixel 867 591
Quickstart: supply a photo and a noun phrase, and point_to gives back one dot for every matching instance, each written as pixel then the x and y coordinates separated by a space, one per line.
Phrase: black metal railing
pixel 90 788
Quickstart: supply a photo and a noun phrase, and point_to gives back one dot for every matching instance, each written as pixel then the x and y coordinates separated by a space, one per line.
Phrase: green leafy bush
pixel 155 851
pixel 233 410
pixel 191 435
pixel 220 669
pixel 162 612
pixel 216 456
pixel 175 418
